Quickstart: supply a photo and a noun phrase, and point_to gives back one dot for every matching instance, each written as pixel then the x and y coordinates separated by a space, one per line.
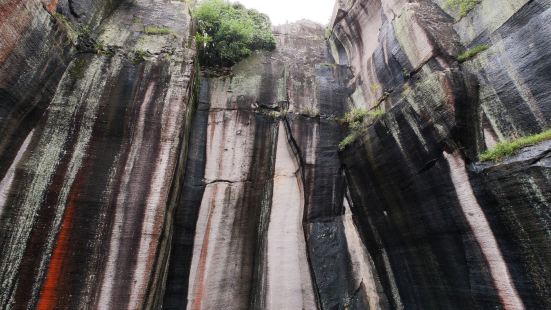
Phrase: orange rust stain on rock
pixel 50 289
pixel 200 278
pixel 51 6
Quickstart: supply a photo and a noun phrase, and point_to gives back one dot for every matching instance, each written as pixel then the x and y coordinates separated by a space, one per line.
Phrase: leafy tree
pixel 228 32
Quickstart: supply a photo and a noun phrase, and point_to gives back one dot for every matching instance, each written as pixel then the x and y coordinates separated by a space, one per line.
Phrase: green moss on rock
pixel 354 119
pixel 463 6
pixel 472 52
pixel 155 30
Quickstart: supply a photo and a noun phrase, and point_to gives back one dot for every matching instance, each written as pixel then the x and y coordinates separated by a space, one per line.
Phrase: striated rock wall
pixel 405 217
pixel 444 230
pixel 92 151
pixel 129 182
pixel 37 45
pixel 36 48
pixel 270 229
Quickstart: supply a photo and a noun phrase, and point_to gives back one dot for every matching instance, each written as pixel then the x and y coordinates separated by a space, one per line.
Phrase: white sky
pixel 281 11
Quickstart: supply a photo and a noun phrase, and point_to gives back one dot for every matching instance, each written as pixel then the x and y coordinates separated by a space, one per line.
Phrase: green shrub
pixel 507 148
pixel 228 33
pixel 472 52
pixel 72 31
pixel 464 6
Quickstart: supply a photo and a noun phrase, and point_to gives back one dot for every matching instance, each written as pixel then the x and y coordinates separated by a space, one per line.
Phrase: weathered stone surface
pixel 86 201
pixel 515 196
pixel 514 73
pixel 119 191
pixel 271 221
pixel 187 207
pixel 35 49
pixel 444 233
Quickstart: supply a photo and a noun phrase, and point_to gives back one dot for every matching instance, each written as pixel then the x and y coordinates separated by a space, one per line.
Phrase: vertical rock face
pixel 86 180
pixel 126 182
pixel 443 230
pixel 36 47
pixel 271 230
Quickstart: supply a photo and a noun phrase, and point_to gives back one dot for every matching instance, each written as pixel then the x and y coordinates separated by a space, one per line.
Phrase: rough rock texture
pixel 117 192
pixel 35 49
pixel 435 230
pixel 85 192
pixel 444 231
pixel 271 230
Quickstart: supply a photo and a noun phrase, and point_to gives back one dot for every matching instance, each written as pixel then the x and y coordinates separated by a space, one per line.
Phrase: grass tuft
pixel 472 52
pixel 348 140
pixel 507 148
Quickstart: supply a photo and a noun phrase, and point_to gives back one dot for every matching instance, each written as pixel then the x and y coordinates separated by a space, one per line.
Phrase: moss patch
pixel 355 119
pixel 155 30
pixel 464 6
pixel 507 148
pixel 138 56
pixel 61 19
pixel 472 52
pixel 78 68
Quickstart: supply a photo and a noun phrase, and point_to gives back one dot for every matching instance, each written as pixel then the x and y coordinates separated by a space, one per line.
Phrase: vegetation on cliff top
pixel 228 33
pixel 507 148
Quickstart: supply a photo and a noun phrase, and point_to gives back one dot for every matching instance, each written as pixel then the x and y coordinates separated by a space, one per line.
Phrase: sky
pixel 282 11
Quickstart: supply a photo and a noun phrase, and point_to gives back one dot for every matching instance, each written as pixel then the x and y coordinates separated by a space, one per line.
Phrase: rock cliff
pixel 444 230
pixel 130 180
pixel 95 115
